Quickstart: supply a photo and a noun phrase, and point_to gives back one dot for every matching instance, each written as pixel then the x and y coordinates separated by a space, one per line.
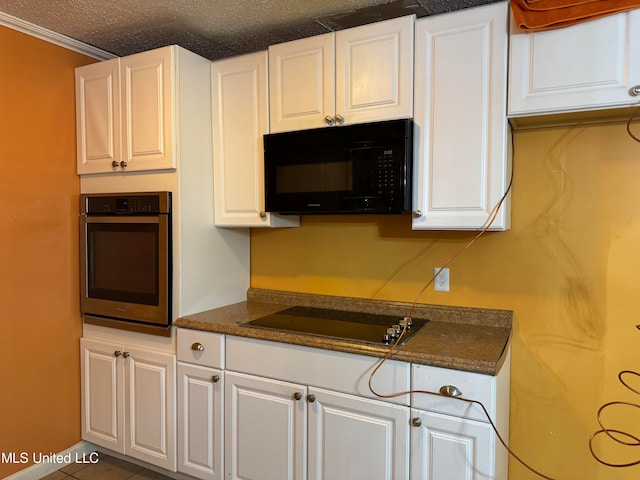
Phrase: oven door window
pixel 123 262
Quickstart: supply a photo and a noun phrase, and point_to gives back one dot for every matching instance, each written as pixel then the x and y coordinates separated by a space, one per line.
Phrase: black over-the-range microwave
pixel 364 168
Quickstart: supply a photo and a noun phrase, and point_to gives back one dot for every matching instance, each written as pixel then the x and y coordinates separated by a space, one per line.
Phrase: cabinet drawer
pixel 201 348
pixel 473 386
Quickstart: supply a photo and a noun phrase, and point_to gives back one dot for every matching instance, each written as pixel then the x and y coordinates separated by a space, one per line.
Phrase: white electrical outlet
pixel 441 282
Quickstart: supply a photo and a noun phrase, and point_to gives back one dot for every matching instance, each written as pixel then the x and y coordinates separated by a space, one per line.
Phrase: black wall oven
pixel 125 264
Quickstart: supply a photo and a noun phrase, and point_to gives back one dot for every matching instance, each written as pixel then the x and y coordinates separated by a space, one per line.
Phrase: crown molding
pixel 53 37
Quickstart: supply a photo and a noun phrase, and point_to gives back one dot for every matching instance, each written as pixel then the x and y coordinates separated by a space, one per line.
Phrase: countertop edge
pixel 476 346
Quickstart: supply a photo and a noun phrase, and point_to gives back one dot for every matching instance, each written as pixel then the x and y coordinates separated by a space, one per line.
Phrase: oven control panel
pixel 126 204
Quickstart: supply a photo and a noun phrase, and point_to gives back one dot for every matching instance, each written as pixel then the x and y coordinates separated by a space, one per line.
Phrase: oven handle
pixel 124 219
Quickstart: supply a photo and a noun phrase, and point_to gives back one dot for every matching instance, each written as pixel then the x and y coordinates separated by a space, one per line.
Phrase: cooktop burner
pixel 360 327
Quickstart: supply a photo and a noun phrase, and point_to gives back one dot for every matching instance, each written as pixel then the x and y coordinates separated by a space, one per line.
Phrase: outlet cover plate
pixel 441 281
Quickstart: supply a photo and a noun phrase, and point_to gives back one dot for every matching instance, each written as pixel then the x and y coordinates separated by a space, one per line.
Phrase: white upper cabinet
pixel 302 83
pixel 356 75
pixel 462 139
pixel 587 66
pixel 374 71
pixel 240 119
pixel 98 116
pixel 148 90
pixel 128 109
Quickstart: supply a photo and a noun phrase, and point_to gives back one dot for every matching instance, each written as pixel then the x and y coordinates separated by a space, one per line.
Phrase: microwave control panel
pixel 386 177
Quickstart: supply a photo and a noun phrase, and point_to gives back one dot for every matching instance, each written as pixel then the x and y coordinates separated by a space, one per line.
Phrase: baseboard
pixel 80 452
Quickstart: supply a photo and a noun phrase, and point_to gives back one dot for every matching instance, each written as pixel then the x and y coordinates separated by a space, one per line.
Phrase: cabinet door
pixel 374 71
pixel 200 425
pixel 98 116
pixel 462 148
pixel 302 83
pixel 449 448
pixel 357 438
pixel 102 399
pixel 240 119
pixel 583 67
pixel 265 429
pixel 148 110
pixel 150 407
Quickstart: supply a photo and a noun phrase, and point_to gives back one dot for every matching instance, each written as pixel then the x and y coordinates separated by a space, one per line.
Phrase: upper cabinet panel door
pixel 301 83
pixel 98 116
pixel 147 108
pixel 357 75
pixel 461 154
pixel 374 71
pixel 240 119
pixel 583 67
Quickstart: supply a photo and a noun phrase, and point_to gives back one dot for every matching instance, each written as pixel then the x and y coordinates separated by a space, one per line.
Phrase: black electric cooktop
pixel 354 326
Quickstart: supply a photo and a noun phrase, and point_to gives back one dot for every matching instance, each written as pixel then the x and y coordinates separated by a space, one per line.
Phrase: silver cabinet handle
pixel 114 164
pixel 123 164
pixel 198 347
pixel 417 213
pixel 311 398
pixel 117 353
pixel 330 121
pixel 215 378
pixel 263 215
pixel 416 422
pixel 339 119
pixel 634 91
pixel 126 354
pixel 297 396
pixel 450 391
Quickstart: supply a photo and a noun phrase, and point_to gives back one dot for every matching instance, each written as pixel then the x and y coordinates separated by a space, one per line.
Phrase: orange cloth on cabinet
pixel 534 15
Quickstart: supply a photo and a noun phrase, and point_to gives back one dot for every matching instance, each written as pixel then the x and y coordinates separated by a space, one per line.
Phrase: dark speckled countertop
pixel 461 338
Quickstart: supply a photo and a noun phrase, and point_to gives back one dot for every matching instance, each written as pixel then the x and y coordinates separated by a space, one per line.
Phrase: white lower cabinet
pixel 128 401
pixel 449 448
pixel 260 410
pixel 201 382
pixel 265 428
pixel 295 412
pixel 279 430
pixel 451 438
pixel 356 438
pixel 200 421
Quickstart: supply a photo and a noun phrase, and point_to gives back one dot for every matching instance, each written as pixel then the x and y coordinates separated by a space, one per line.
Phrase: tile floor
pixel 106 468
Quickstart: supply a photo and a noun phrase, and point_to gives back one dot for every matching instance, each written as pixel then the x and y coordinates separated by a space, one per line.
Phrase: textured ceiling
pixel 212 28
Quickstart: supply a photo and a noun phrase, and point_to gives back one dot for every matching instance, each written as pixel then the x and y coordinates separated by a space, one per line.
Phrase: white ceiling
pixel 212 28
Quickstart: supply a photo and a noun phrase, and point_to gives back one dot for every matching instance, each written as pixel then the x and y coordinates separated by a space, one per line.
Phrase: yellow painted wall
pixel 569 268
pixel 40 323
